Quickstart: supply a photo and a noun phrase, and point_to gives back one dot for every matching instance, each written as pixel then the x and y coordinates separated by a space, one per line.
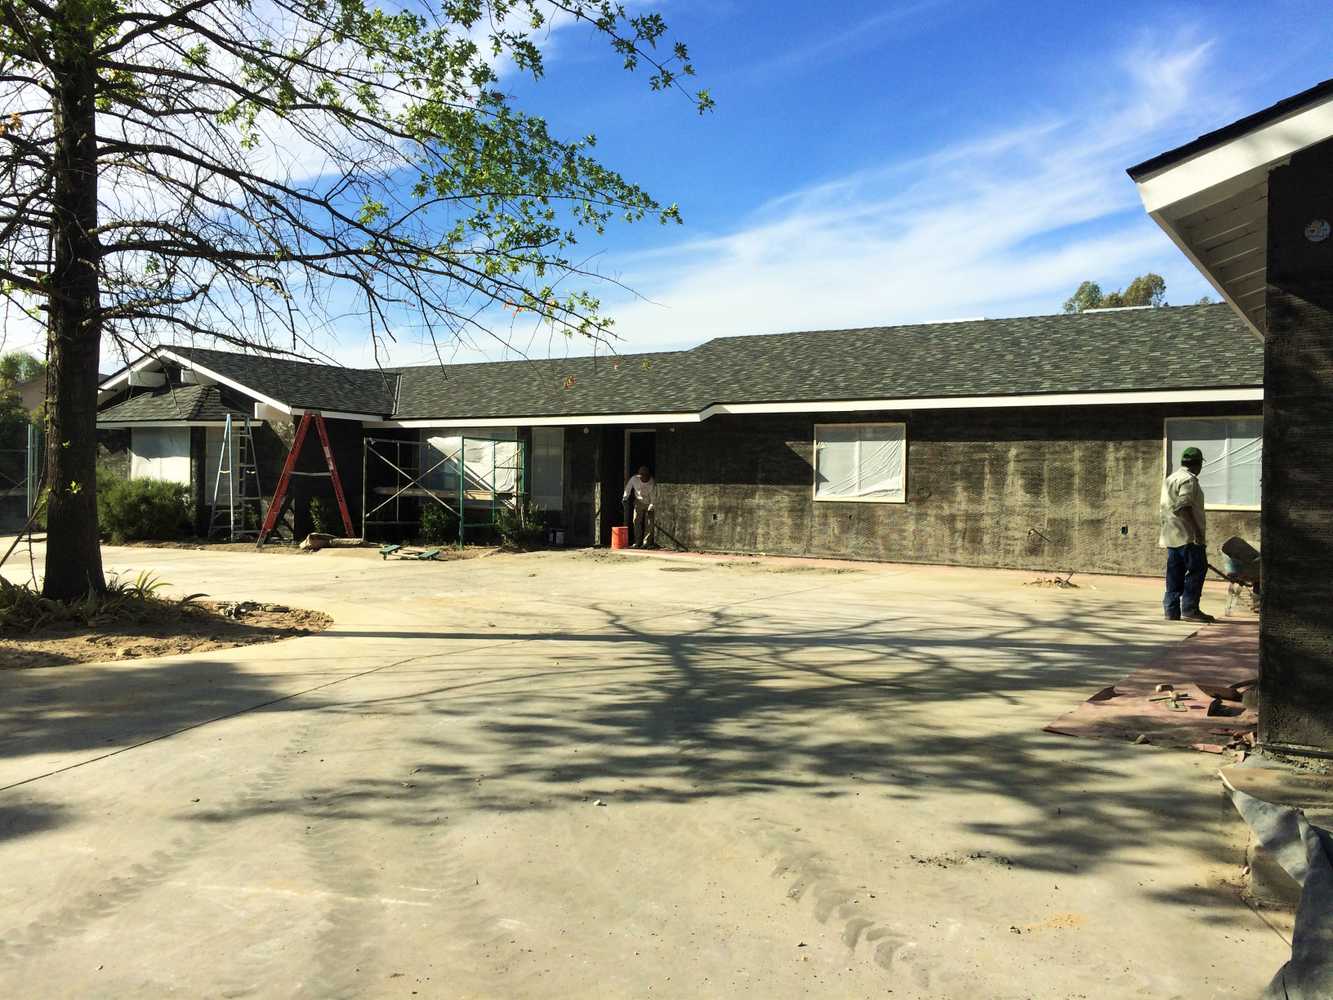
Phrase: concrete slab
pixel 813 783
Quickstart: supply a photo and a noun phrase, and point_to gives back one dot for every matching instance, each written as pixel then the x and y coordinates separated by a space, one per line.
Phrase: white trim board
pixel 1234 164
pixel 123 425
pixel 1243 394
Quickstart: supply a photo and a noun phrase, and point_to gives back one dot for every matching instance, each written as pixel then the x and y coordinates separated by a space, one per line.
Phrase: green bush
pixel 439 525
pixel 321 516
pixel 521 526
pixel 130 510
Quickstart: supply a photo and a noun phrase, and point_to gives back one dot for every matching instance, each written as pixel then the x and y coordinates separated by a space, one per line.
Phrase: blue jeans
pixel 1186 566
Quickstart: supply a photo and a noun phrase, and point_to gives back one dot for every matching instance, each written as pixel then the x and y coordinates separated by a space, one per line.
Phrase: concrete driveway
pixel 587 775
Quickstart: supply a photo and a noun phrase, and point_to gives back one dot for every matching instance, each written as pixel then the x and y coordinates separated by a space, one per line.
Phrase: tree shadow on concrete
pixel 98 707
pixel 749 700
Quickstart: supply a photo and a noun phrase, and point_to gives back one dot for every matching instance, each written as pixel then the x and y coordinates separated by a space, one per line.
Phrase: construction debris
pixel 1063 582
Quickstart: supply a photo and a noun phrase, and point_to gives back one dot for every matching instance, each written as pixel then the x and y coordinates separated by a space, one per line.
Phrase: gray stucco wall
pixel 1296 632
pixel 1044 488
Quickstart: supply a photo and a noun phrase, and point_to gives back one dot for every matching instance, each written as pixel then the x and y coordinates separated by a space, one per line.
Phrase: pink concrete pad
pixel 1222 654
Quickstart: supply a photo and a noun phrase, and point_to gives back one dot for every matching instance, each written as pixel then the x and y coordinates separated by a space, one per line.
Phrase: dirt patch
pixel 447 553
pixel 168 629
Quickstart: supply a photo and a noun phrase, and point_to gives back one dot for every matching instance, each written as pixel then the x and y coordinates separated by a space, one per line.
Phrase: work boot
pixel 1198 616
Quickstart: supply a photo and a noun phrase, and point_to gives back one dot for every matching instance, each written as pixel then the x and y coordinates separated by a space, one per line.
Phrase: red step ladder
pixel 275 508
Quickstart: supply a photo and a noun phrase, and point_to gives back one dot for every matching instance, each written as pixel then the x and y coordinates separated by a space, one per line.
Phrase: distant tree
pixel 1145 290
pixel 1087 296
pixel 19 366
pixel 1206 300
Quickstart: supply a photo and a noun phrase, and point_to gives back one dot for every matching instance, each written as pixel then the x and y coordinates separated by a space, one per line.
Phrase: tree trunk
pixel 73 549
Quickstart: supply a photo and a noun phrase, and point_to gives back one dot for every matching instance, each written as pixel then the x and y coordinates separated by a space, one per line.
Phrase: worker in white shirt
pixel 641 491
pixel 1183 536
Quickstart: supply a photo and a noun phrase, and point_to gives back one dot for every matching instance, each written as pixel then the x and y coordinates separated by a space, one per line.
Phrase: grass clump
pixel 23 609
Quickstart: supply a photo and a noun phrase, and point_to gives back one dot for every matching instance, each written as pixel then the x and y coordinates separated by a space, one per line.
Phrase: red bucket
pixel 620 537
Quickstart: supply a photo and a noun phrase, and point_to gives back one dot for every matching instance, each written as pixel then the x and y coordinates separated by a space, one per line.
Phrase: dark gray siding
pixel 1043 488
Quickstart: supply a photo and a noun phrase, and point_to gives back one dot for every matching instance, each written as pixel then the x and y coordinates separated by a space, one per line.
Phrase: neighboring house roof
pixel 1120 351
pixel 193 403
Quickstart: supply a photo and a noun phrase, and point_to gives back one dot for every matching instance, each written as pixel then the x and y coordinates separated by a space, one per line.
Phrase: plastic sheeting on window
pixel 860 461
pixel 1232 449
pixel 490 465
pixel 161 453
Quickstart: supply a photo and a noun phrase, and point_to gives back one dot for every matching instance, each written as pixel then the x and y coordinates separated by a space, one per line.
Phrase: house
pixel 1249 204
pixel 1036 442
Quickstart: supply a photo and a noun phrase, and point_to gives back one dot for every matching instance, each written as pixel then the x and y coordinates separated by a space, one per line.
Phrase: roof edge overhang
pixel 124 425
pixel 266 407
pixel 1223 394
pixel 1210 196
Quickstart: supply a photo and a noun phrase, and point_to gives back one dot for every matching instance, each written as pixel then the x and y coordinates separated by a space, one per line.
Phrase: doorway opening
pixel 640 449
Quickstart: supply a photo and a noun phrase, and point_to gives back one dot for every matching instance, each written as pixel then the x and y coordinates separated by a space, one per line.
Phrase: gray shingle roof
pixel 1187 347
pixel 301 383
pixel 182 402
pixel 666 382
pixel 1120 351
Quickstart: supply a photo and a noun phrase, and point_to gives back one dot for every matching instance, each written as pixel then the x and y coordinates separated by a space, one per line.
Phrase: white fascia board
pixel 1238 394
pixel 1242 394
pixel 185 362
pixel 265 412
pixel 1235 163
pixel 123 425
pixel 123 375
pixel 572 421
pixel 364 418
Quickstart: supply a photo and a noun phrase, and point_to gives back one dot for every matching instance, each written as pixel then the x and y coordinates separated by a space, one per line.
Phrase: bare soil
pixel 168 628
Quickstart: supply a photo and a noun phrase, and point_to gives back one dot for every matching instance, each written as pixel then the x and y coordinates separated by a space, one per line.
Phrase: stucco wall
pixel 1296 633
pixel 1043 488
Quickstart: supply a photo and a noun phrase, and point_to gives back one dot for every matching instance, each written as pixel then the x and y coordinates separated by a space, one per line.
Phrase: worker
pixel 641 492
pixel 1183 536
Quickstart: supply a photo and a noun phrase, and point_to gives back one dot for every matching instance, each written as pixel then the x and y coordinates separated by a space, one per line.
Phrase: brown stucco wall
pixel 1044 488
pixel 1296 632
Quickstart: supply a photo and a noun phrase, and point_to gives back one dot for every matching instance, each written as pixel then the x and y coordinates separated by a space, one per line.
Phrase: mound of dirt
pixel 168 628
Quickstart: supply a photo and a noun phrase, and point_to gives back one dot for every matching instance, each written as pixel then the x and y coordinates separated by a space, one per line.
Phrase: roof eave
pixel 1211 196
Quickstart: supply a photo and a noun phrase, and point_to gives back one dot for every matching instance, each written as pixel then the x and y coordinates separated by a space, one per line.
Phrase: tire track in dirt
pixel 812 879
pixel 104 898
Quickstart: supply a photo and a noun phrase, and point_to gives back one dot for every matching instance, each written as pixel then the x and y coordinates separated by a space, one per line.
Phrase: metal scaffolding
pixel 21 473
pixel 472 479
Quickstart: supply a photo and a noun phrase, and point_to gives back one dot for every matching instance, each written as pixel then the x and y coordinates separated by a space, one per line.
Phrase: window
pixel 491 459
pixel 1232 455
pixel 160 453
pixel 866 462
pixel 548 467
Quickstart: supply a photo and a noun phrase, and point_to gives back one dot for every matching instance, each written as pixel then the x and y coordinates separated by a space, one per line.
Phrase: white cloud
pixel 1006 224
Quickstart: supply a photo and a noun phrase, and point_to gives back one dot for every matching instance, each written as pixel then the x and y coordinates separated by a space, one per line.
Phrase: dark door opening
pixel 640 449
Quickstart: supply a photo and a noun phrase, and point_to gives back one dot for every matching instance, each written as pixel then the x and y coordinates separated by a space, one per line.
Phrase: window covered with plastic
pixel 1233 449
pixel 861 462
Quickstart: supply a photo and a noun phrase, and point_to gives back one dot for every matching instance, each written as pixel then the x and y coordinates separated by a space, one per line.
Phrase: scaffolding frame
pixel 33 459
pixel 463 493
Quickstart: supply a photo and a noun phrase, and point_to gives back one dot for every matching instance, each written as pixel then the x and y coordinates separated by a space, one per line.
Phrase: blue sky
pixel 875 163
pixel 906 162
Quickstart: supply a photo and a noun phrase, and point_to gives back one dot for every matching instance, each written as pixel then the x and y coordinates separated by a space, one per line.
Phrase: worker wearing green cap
pixel 1183 537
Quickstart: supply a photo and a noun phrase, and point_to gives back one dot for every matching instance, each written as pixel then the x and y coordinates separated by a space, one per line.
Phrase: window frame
pixel 814 462
pixel 1166 457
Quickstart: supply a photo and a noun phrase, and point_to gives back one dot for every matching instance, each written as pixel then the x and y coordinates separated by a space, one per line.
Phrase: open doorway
pixel 640 449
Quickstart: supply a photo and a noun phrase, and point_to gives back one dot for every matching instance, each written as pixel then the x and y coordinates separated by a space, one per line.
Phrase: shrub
pixel 521 526
pixel 439 525
pixel 131 510
pixel 321 516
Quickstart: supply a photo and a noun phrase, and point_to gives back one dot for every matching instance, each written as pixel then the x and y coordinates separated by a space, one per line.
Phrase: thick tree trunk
pixel 73 550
